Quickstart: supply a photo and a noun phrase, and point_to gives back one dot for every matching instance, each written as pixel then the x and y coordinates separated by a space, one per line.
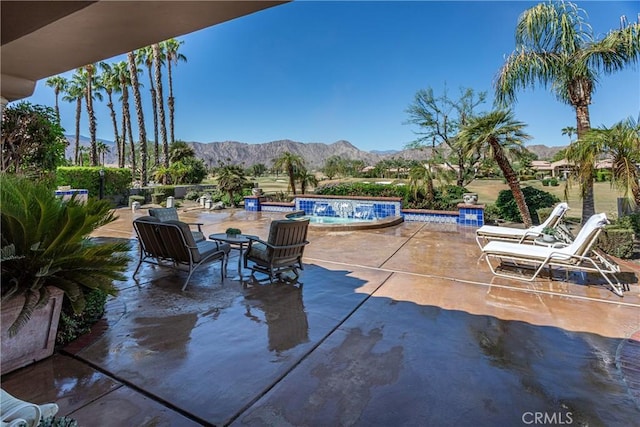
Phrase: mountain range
pixel 314 154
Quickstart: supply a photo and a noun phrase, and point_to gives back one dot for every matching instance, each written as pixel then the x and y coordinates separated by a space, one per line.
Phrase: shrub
pixel 546 182
pixel 631 221
pixel 139 199
pixel 192 195
pixel 616 241
pixel 72 324
pixel 534 198
pixel 116 180
pixel 491 213
pixel 553 182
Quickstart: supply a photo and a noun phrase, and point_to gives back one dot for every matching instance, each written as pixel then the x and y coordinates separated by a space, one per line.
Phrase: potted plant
pixel 46 253
pixel 548 234
pixel 233 232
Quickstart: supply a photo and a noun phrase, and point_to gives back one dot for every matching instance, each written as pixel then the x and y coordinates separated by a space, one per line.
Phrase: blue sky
pixel 314 71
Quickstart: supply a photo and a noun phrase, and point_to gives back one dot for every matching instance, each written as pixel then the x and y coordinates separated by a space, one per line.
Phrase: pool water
pixel 335 220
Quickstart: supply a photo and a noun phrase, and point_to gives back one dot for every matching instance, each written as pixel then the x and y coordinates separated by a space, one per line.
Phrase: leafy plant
pixel 58 422
pixel 233 231
pixel 549 231
pixel 534 198
pixel 51 247
pixel 72 324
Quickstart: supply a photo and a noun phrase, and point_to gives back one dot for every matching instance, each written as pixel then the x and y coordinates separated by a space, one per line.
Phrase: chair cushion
pixel 259 251
pixel 198 236
pixel 186 231
pixel 208 247
pixel 165 214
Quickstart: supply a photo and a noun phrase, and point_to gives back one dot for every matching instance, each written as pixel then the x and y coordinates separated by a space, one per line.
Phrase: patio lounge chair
pixel 173 242
pixel 491 232
pixel 17 412
pixel 171 214
pixel 576 256
pixel 281 252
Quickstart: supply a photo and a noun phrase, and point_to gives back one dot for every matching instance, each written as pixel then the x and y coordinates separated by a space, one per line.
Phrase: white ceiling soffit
pixel 44 38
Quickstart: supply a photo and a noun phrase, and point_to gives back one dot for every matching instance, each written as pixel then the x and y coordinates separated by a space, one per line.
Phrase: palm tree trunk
pixel 163 122
pixel 512 180
pixel 292 179
pixel 112 111
pixel 126 129
pixel 78 115
pixel 133 71
pixel 588 201
pixel 170 101
pixel 154 109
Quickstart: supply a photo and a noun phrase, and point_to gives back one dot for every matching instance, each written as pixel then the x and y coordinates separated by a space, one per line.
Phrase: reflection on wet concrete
pixel 283 313
pixel 433 366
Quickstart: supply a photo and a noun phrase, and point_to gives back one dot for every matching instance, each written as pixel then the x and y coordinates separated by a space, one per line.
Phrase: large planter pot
pixel 36 339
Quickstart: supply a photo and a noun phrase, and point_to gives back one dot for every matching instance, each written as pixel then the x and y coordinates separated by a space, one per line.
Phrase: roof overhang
pixel 44 38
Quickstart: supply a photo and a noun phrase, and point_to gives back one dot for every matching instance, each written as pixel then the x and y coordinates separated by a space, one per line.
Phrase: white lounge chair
pixel 578 255
pixel 487 233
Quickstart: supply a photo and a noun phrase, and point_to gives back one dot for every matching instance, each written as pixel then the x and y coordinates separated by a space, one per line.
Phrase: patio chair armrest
pixel 199 224
pixel 297 245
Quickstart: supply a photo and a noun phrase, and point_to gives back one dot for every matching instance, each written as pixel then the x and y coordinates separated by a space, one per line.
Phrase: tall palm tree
pixel 122 71
pixel 144 57
pixel 290 163
pixel 59 85
pixel 110 82
pixel 89 71
pixel 569 131
pixel 75 93
pixel 103 149
pixel 621 143
pixel 133 75
pixel 158 58
pixel 556 47
pixel 171 48
pixel 500 136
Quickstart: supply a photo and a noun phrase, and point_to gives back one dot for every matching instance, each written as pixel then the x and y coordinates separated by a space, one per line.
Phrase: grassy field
pixel 488 189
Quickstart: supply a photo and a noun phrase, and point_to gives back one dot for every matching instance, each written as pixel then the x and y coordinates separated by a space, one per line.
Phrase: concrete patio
pixel 398 326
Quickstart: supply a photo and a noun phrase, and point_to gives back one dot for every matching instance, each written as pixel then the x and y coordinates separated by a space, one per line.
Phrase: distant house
pixel 560 169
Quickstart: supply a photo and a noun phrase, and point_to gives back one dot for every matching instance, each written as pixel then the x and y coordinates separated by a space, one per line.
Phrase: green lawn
pixel 487 189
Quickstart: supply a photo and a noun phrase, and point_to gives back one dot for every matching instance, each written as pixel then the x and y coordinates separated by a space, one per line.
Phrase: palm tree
pixel 122 71
pixel 102 149
pixel 75 92
pixel 499 135
pixel 59 85
pixel 158 57
pixel 89 71
pixel 307 179
pixel 290 163
pixel 231 180
pixel 621 143
pixel 556 47
pixel 144 57
pixel 569 131
pixel 133 75
pixel 110 82
pixel 179 150
pixel 170 48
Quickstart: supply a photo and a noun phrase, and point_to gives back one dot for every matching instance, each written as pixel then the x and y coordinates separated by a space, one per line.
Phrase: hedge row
pixel 116 180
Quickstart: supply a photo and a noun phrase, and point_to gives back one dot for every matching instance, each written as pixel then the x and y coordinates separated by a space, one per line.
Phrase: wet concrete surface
pixel 397 326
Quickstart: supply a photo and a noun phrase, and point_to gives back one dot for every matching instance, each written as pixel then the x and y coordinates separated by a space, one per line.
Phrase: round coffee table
pixel 237 242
